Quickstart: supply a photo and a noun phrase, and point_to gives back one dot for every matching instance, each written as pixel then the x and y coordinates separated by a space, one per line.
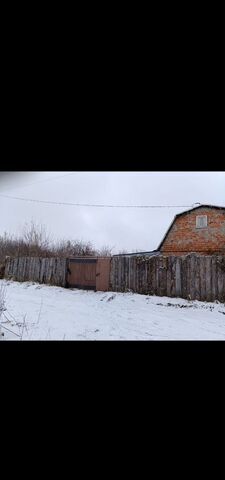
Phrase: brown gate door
pixel 82 273
pixel 103 274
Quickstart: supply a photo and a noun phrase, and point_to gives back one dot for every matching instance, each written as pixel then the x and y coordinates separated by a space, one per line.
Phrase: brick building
pixel 200 230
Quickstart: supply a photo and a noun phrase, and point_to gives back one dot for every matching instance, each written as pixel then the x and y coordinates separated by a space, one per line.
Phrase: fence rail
pixel 192 276
pixel 43 270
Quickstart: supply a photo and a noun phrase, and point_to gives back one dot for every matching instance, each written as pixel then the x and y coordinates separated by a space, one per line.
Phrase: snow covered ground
pixel 41 312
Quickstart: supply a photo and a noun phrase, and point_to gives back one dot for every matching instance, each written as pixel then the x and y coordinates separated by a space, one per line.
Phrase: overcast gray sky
pixel 128 229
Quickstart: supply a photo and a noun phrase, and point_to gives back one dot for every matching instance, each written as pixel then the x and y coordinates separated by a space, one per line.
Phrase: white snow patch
pixel 41 312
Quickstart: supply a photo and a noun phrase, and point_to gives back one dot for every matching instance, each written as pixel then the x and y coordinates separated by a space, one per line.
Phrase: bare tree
pixel 36 239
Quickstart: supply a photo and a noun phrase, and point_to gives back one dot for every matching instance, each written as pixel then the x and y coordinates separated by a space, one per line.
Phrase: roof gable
pixel 184 213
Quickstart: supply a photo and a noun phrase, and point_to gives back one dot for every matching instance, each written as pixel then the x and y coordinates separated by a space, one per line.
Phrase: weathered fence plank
pixel 35 269
pixel 197 278
pixel 173 276
pixel 202 279
pixel 221 278
pixel 208 279
pixel 184 293
pixel 168 277
pixel 214 276
pixel 192 276
pixel 178 276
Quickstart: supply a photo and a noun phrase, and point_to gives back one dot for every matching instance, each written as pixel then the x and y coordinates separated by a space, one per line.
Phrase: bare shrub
pixel 74 248
pixel 36 242
pixel 105 251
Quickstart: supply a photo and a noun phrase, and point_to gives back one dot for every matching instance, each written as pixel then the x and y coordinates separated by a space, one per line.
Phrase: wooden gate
pixel 82 273
pixel 89 273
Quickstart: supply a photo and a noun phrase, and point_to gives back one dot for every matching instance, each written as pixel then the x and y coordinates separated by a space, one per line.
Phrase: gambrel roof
pixel 185 212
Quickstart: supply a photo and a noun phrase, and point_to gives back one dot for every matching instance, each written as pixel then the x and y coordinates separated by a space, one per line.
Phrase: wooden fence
pixel 43 270
pixel 192 276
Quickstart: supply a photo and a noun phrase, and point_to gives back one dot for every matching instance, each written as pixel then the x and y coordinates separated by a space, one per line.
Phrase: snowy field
pixel 41 312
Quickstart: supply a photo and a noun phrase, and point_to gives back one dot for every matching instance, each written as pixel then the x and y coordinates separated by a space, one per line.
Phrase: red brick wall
pixel 184 237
